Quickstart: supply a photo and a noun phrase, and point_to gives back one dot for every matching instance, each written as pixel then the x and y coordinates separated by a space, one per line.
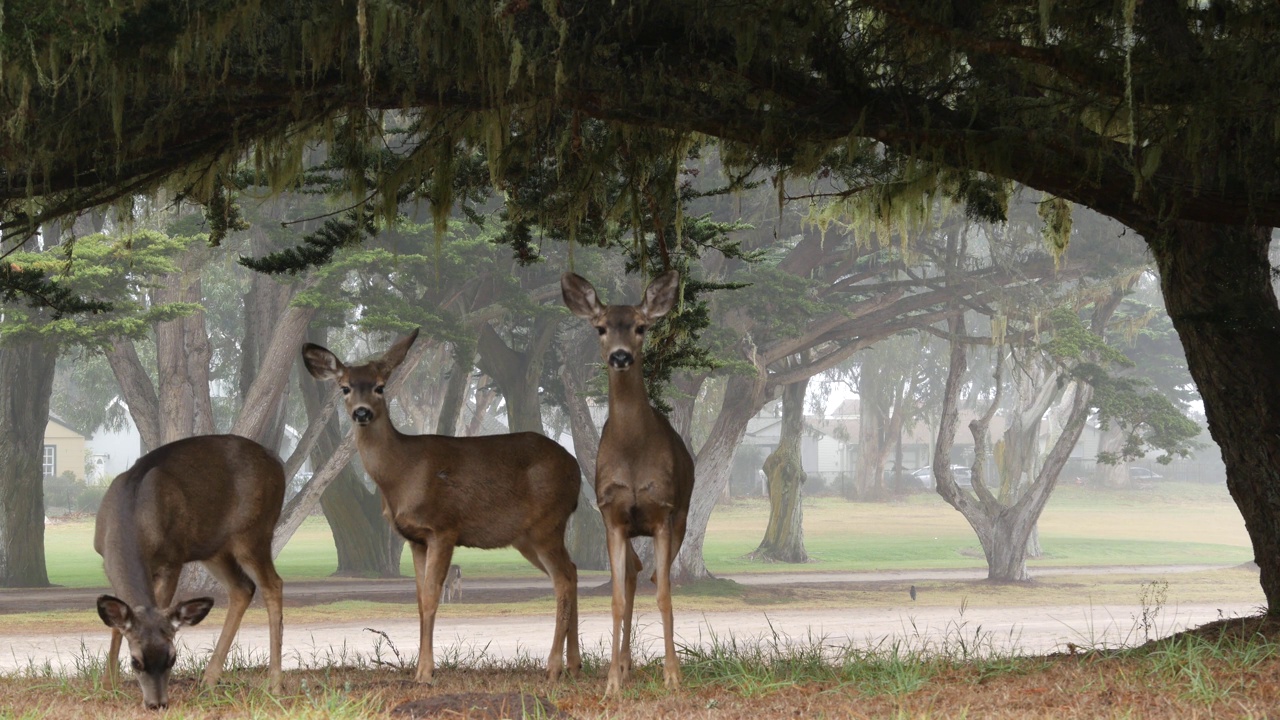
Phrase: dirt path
pixel 1019 629
pixel 1031 630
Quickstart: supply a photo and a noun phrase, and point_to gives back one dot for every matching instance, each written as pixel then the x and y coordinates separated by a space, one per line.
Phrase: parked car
pixel 962 474
pixel 1141 474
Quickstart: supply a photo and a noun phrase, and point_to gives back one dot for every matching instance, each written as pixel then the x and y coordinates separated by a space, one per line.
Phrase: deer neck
pixel 628 399
pixel 380 446
pixel 126 567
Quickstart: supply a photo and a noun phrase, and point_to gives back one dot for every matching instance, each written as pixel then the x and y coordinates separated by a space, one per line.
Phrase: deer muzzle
pixel 362 416
pixel 621 359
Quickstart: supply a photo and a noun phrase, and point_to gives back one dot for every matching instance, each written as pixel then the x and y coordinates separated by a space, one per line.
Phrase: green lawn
pixel 1172 524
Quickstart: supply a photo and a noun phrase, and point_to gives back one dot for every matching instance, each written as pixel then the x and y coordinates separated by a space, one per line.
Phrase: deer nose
pixel 620 359
pixel 362 415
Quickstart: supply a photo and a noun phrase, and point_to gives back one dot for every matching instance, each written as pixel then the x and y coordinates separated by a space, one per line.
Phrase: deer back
pixel 184 501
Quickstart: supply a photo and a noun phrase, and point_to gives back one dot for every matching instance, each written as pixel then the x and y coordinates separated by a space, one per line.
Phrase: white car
pixel 962 474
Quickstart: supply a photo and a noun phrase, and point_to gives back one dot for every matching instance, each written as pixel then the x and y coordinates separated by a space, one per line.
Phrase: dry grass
pixel 1229 670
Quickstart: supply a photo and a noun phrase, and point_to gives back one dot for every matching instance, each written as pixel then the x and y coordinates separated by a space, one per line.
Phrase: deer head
pixel 621 327
pixel 362 385
pixel 150 633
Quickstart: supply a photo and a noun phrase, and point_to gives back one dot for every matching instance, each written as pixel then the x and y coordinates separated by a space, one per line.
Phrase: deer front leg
pixel 438 553
pixel 113 660
pixel 623 591
pixel 662 557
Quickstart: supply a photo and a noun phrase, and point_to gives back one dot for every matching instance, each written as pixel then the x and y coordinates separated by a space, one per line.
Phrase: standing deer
pixel 453 584
pixel 491 491
pixel 213 499
pixel 644 472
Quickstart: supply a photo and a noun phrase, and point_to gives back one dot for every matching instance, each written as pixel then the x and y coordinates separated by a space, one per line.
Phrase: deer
pixel 644 470
pixel 213 499
pixel 453 584
pixel 439 492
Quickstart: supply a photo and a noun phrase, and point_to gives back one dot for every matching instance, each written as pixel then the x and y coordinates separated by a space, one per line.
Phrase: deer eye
pixel 601 330
pixel 346 390
pixel 136 663
pixel 640 329
pixel 379 389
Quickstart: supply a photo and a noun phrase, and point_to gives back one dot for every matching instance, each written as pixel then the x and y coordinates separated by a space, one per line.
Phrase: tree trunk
pixel 27 369
pixel 585 537
pixel 1217 287
pixel 743 398
pixel 784 537
pixel 139 392
pixel 1112 476
pixel 868 475
pixel 455 391
pixel 183 355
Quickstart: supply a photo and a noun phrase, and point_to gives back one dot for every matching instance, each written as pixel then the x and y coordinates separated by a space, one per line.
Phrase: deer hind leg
pixel 259 563
pixel 430 572
pixel 564 574
pixel 663 554
pixel 240 588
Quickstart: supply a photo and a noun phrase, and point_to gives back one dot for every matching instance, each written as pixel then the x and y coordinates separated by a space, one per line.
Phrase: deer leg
pixel 260 564
pixel 438 554
pixel 628 611
pixel 113 660
pixel 662 557
pixel 565 576
pixel 623 581
pixel 239 591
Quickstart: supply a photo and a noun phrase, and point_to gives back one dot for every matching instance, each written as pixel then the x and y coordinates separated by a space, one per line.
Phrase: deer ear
pixel 579 296
pixel 661 295
pixel 395 354
pixel 190 612
pixel 322 364
pixel 115 613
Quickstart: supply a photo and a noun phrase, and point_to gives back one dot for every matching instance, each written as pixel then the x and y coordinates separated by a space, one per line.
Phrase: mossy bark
pixel 27 369
pixel 784 537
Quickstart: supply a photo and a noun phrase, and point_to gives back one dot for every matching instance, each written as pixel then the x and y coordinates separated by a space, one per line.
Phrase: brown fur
pixel 491 491
pixel 213 499
pixel 644 470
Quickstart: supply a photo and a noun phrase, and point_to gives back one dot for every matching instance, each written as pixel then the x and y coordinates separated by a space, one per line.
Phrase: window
pixel 50 461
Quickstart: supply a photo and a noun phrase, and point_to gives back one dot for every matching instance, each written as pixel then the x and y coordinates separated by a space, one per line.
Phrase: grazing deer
pixel 213 499
pixel 488 491
pixel 453 584
pixel 644 472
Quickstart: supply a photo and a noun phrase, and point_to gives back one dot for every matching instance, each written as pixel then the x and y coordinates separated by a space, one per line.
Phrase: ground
pixel 767 646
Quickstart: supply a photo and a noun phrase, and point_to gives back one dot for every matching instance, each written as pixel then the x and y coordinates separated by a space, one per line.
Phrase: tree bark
pixel 1217 285
pixel 517 372
pixel 27 368
pixel 784 537
pixel 183 354
pixel 585 536
pixel 139 392
pixel 743 398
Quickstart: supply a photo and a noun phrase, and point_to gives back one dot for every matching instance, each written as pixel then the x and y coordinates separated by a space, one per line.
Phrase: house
pixel 64 449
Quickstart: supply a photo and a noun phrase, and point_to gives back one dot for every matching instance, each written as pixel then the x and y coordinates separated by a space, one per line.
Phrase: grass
pixel 1232 672
pixel 1175 524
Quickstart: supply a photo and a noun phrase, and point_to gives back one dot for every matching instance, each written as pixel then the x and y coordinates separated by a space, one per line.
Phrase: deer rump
pixel 494 490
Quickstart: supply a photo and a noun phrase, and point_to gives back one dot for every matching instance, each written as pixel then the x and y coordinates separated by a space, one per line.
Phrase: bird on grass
pixel 912 592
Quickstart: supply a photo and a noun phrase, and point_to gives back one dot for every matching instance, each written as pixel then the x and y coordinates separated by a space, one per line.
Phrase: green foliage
pixel 318 248
pixel 41 291
pixel 1147 418
pixel 117 271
